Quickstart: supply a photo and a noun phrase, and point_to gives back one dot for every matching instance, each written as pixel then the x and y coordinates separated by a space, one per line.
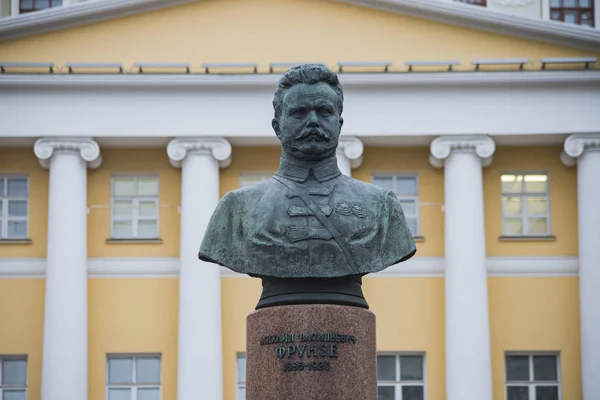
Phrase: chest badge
pixel 347 208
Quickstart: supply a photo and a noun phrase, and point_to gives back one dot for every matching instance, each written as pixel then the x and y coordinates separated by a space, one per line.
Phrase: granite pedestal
pixel 311 352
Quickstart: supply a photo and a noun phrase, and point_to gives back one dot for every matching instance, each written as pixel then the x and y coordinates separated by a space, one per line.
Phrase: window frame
pixel 135 199
pixel 398 383
pixel 15 357
pixel 4 199
pixel 547 4
pixel 21 11
pixel 532 384
pixel 239 384
pixel 416 198
pixel 482 4
pixel 134 386
pixel 524 211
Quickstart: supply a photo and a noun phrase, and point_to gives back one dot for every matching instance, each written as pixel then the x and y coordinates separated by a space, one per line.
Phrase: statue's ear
pixel 341 122
pixel 275 125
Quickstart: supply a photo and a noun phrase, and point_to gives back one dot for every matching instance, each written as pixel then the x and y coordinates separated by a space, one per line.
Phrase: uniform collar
pixel 322 171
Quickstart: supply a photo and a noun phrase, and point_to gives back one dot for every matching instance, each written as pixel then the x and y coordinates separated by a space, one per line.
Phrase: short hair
pixel 309 74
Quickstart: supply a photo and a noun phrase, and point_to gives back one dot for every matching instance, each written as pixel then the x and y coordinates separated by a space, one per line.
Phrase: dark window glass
pixel 385 393
pixel 517 393
pixel 386 368
pixel 546 393
pixel 412 393
pixel 517 368
pixel 544 368
pixel 411 368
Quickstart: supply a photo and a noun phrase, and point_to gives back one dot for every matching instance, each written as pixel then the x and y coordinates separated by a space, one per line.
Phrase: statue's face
pixel 310 122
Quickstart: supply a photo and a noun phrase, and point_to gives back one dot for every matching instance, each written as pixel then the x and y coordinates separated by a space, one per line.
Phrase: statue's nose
pixel 313 120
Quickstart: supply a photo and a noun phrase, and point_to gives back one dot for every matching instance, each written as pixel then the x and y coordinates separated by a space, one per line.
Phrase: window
pixel 401 377
pixel 525 205
pixel 26 6
pixel 5 8
pixel 13 377
pixel 578 12
pixel 133 377
pixel 473 2
pixel 134 207
pixel 252 179
pixel 532 377
pixel 241 377
pixel 14 205
pixel 406 188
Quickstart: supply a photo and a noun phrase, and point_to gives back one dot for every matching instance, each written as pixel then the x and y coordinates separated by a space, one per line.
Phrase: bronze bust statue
pixel 309 232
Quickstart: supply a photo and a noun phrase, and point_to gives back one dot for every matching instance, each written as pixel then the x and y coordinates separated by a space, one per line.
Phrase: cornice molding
pixel 187 81
pixel 352 148
pixel 444 11
pixel 441 147
pixel 86 12
pixel 87 148
pixel 482 18
pixel 416 267
pixel 219 148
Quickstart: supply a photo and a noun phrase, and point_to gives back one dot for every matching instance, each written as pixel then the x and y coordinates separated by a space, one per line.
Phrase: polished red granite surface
pixel 311 352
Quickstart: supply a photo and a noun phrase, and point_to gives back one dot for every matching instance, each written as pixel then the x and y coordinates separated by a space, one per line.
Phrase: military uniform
pixel 272 228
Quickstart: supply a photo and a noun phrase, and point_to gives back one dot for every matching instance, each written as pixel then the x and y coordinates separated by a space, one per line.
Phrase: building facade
pixel 123 123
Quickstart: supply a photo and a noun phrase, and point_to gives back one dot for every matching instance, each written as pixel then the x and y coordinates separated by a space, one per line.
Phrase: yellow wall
pixel 431 188
pixel 23 161
pixel 130 161
pixel 140 315
pixel 132 316
pixel 536 314
pixel 563 196
pixel 22 326
pixel 410 317
pixel 260 160
pixel 563 201
pixel 266 31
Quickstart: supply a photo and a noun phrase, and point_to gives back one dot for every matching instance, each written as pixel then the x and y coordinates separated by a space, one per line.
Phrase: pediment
pixel 266 31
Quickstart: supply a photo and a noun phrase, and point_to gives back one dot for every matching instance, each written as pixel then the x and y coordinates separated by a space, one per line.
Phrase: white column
pixel 468 359
pixel 199 366
pixel 584 150
pixel 64 359
pixel 349 154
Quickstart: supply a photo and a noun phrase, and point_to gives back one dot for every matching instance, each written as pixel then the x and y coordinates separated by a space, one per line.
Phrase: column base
pixel 311 352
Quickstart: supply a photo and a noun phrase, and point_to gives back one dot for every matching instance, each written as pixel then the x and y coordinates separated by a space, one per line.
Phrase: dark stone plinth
pixel 344 291
pixel 311 352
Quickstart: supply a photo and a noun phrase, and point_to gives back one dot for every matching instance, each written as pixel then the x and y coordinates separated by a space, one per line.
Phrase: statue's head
pixel 308 107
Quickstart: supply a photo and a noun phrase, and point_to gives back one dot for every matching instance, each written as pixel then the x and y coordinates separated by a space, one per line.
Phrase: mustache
pixel 319 133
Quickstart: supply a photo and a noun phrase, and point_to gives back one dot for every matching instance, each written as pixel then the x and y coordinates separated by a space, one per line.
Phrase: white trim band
pixel 167 267
pixel 270 80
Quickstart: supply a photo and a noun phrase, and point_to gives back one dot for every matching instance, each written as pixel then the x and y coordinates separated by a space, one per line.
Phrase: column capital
pixel 219 148
pixel 441 147
pixel 577 144
pixel 352 148
pixel 87 148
